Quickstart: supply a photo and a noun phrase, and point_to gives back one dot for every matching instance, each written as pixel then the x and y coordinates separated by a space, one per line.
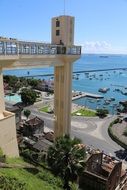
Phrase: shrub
pixel 27 113
pixel 11 183
pixel 116 121
pixel 48 177
pixel 102 112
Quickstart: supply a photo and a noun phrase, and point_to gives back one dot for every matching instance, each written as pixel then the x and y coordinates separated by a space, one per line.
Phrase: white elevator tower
pixel 63 35
pixel 60 54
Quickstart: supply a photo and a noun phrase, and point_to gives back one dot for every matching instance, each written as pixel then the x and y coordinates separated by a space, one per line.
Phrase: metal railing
pixel 15 47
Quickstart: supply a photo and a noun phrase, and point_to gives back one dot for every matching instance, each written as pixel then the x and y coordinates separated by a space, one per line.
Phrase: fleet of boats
pixel 106 102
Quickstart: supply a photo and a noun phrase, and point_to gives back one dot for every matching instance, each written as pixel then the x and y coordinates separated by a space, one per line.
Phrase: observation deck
pixel 33 54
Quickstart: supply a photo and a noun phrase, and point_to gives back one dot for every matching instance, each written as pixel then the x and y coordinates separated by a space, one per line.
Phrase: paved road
pixel 92 131
pixel 93 140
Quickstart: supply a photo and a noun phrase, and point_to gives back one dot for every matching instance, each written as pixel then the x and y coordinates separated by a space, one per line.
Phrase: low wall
pixel 8 140
pixel 114 137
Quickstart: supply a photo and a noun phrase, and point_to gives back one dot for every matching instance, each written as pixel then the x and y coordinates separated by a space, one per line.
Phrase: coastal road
pixel 96 135
pixel 92 131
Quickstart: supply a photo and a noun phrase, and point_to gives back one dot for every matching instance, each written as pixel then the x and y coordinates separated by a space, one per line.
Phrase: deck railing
pixel 14 47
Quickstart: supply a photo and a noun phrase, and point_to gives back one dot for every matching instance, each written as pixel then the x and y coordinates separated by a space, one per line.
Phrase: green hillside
pixel 28 178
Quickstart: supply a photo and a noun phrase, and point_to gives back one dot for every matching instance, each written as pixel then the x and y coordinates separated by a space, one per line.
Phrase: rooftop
pixel 101 164
pixel 34 121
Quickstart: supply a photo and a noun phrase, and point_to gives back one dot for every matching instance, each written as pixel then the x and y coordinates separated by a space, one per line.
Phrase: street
pixel 92 131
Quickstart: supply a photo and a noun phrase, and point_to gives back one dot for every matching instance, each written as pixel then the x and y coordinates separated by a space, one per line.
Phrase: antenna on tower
pixel 64 6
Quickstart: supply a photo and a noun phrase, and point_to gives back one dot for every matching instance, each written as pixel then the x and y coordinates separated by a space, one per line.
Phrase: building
pixel 49 136
pixel 42 145
pixel 46 86
pixel 102 173
pixel 33 126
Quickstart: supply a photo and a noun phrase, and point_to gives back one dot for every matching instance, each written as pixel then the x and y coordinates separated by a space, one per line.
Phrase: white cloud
pixel 96 47
pixel 102 47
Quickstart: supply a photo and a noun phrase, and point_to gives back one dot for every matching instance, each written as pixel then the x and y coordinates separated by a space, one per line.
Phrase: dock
pixel 79 95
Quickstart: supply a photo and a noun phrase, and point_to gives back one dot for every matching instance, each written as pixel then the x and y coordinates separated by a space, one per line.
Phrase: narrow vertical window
pixel 57 32
pixel 57 23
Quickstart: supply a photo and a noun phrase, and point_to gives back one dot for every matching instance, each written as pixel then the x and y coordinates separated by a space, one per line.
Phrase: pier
pixel 78 95
pixel 75 72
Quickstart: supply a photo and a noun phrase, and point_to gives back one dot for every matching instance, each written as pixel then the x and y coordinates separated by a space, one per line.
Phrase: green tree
pixel 66 158
pixel 13 82
pixel 28 96
pixel 23 82
pixel 101 112
pixel 27 113
pixel 33 82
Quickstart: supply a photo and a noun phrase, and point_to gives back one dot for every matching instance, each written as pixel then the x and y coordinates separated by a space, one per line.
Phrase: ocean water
pixel 115 80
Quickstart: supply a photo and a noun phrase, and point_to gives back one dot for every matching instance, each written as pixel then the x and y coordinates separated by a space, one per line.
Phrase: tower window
pixel 57 32
pixel 57 23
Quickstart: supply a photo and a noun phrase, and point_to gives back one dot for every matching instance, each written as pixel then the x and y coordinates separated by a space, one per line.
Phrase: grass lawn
pixel 34 180
pixel 84 112
pixel 81 112
pixel 44 109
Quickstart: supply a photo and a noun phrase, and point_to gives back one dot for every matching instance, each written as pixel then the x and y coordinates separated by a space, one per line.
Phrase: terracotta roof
pixel 49 136
pixel 42 145
pixel 34 121
pixel 108 166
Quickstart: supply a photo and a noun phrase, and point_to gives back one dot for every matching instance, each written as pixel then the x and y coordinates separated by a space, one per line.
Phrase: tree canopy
pixel 102 112
pixel 28 96
pixel 66 158
pixel 27 113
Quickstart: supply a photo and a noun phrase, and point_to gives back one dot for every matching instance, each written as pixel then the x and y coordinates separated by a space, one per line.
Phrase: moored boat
pixel 103 90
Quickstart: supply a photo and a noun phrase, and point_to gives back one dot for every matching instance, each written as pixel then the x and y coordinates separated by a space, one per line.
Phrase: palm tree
pixel 66 158
pixel 27 113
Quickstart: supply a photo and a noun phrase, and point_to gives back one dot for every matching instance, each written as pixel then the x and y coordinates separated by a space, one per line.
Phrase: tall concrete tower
pixel 63 35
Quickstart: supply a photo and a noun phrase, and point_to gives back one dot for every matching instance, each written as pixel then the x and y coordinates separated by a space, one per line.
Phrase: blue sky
pixel 100 25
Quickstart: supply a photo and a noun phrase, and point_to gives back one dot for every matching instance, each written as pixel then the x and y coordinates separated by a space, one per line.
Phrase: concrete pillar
pixel 2 104
pixel 62 99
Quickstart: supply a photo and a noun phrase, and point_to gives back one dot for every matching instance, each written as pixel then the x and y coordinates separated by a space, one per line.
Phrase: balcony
pixel 14 47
